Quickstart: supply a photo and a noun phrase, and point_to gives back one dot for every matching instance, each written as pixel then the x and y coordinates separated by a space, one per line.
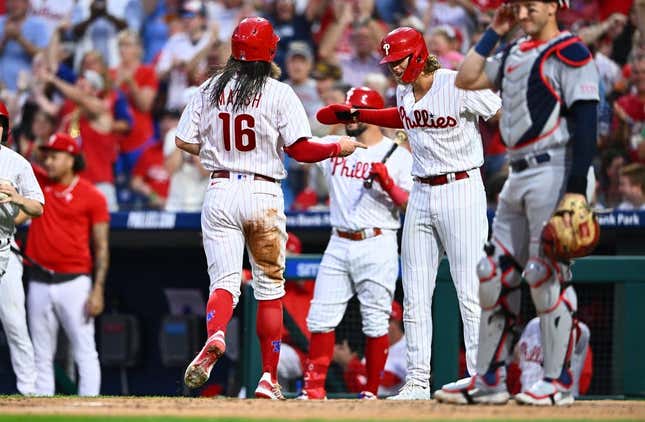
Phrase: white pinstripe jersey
pixel 352 207
pixel 443 125
pixel 251 139
pixel 17 170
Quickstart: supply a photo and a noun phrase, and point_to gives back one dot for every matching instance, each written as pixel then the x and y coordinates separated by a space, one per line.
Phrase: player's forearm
pixel 398 195
pixel 188 147
pixel 21 218
pixel 471 72
pixel 31 207
pixel 101 254
pixel 386 117
pixel 310 151
pixel 583 141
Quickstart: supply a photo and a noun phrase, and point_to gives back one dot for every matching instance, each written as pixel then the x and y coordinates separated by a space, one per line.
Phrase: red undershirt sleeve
pixel 309 151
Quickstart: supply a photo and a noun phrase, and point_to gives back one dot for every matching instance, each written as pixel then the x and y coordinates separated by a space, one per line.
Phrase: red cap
pixel 62 142
pixel 294 245
pixel 397 311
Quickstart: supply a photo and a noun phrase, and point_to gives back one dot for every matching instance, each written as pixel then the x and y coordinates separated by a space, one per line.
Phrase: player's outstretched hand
pixel 348 145
pixel 504 19
pixel 337 113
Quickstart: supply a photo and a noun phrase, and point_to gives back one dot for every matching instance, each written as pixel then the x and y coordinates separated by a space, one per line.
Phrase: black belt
pixel 225 174
pixel 41 275
pixel 524 163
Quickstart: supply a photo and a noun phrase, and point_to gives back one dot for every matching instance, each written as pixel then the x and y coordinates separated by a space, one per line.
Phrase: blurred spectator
pixel 442 43
pixel 326 75
pixel 395 371
pixel 155 29
pixel 356 20
pixel 139 83
pixel 43 125
pixel 53 12
pixel 611 163
pixel 227 14
pixel 632 187
pixel 90 119
pixel 150 177
pixel 95 29
pixel 461 15
pixel 629 113
pixel 188 179
pixel 299 62
pixel 21 36
pixel 180 49
pixel 290 26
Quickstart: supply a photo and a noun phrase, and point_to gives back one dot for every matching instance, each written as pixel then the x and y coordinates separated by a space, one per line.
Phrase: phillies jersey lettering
pixel 423 118
pixel 443 125
pixel 352 206
pixel 248 140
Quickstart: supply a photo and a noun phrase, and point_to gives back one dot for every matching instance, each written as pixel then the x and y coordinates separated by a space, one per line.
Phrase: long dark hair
pixel 251 77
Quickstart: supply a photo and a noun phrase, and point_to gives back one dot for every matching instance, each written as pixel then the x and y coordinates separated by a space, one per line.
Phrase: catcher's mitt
pixel 572 232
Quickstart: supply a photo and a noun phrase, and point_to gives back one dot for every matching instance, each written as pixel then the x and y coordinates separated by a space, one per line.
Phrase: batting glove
pixel 336 113
pixel 382 176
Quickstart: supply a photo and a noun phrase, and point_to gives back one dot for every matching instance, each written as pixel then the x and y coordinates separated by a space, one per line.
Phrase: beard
pixel 360 128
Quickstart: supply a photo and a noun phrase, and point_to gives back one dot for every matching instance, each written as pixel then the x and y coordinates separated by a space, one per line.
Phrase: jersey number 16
pixel 244 136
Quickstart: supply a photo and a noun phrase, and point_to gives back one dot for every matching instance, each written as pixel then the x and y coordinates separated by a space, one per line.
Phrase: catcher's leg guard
pixel 499 298
pixel 556 310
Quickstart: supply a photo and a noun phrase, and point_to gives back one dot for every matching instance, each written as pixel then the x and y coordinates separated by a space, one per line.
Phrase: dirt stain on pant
pixel 263 240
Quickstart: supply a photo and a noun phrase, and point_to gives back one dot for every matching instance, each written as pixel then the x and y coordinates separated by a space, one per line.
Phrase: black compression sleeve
pixel 583 125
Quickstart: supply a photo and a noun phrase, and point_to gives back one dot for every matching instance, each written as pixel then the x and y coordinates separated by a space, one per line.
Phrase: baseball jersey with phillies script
pixel 352 207
pixel 60 238
pixel 250 139
pixel 443 125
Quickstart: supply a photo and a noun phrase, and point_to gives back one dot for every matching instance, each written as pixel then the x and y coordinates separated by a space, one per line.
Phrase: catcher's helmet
pixel 364 97
pixel 254 40
pixel 401 43
pixel 4 122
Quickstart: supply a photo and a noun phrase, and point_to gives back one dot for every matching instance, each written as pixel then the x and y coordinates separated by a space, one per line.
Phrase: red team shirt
pixel 142 128
pixel 60 238
pixel 150 167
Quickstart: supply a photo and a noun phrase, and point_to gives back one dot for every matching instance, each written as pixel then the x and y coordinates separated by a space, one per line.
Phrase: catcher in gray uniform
pixel 549 88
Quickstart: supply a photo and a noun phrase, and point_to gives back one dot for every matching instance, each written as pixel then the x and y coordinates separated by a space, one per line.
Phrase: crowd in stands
pixel 116 74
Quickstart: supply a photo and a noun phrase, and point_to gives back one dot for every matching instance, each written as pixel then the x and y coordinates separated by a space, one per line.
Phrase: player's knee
pixel 497 278
pixel 230 286
pixel 323 318
pixel 376 326
pixel 545 286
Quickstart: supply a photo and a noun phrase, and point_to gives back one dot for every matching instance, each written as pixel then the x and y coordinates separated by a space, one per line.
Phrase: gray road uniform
pixel 539 84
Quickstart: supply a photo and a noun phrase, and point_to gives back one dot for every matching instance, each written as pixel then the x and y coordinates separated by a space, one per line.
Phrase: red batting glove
pixel 336 113
pixel 382 176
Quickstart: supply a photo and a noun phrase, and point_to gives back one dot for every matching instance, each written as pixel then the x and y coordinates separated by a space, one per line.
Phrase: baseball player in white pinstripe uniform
pixel 362 255
pixel 238 123
pixel 446 211
pixel 549 87
pixel 20 198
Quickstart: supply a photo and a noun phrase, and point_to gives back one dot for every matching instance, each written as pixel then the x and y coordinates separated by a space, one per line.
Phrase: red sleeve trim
pixel 310 151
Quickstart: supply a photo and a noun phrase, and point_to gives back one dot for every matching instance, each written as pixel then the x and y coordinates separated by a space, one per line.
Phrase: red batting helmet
pixel 364 97
pixel 4 122
pixel 404 42
pixel 254 41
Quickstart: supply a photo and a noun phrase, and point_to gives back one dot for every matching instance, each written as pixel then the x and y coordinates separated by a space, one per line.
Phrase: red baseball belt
pixel 359 234
pixel 442 179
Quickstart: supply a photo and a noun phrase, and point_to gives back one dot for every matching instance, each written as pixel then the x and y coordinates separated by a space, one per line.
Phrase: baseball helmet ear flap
pixel 253 40
pixel 4 122
pixel 405 42
pixel 364 97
